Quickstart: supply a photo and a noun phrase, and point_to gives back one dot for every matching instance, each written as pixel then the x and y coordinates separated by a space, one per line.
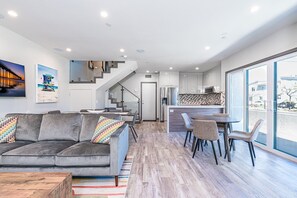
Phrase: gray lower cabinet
pixel 175 121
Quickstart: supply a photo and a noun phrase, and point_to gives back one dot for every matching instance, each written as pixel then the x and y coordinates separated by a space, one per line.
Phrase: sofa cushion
pixel 36 154
pixel 60 127
pixel 7 147
pixel 84 154
pixel 28 126
pixel 89 123
pixel 7 129
pixel 104 129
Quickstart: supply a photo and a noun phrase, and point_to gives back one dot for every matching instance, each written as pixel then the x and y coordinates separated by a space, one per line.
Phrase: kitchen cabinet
pixel 190 83
pixel 169 79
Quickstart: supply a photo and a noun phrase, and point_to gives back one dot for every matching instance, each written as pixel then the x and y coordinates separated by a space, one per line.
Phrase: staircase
pixel 121 98
pixel 93 72
pixel 90 93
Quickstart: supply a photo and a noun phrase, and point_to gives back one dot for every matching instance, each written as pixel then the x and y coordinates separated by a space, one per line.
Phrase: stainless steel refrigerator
pixel 168 96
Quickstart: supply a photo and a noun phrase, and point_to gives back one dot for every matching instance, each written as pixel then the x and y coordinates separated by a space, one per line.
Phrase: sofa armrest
pixel 119 144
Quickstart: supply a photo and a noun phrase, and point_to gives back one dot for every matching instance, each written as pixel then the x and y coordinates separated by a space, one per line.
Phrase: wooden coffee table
pixel 33 185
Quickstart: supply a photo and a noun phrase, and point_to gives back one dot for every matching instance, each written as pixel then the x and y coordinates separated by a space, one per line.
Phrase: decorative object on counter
pixel 46 84
pixel 202 99
pixel 12 79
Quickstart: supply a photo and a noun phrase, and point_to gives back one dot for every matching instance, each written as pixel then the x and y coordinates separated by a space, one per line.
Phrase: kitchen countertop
pixel 195 106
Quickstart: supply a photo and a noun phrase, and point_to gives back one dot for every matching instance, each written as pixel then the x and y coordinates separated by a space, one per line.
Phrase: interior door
pixel 149 101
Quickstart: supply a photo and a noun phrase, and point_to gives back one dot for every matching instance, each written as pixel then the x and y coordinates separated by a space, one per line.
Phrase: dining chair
pixel 206 130
pixel 130 119
pixel 188 126
pixel 248 137
pixel 221 126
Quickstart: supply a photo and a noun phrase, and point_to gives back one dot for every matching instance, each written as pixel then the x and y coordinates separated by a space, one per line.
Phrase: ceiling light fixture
pixel 104 14
pixel 122 50
pixel 125 56
pixel 171 68
pixel 156 71
pixel 68 49
pixel 12 13
pixel 147 71
pixel 207 48
pixel 197 68
pixel 254 9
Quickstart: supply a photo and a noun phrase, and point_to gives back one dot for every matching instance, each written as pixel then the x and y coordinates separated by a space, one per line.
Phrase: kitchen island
pixel 175 121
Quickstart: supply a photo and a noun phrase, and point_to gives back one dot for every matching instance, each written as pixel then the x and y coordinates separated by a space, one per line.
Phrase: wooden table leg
pixel 227 149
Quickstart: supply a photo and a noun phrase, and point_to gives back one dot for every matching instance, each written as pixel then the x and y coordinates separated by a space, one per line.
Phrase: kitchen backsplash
pixel 202 99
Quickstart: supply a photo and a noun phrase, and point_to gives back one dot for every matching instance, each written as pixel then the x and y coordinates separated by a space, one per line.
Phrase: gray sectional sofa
pixel 61 143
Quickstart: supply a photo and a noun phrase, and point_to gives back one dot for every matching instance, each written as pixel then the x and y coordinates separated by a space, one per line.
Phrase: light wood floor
pixel 162 167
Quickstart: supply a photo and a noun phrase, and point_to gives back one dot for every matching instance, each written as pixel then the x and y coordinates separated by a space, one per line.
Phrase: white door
pixel 149 101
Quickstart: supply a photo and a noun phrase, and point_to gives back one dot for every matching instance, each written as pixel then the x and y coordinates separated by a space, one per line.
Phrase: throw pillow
pixel 104 129
pixel 7 129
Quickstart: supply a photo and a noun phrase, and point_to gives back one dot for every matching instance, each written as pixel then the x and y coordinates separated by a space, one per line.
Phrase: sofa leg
pixel 116 179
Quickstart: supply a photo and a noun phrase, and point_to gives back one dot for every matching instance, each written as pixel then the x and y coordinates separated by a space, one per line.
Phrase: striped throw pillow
pixel 104 129
pixel 7 129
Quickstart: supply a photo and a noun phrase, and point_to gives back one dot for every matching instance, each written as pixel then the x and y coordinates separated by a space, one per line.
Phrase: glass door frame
pixel 271 63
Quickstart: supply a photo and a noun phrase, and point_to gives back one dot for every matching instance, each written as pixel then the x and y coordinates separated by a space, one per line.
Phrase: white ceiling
pixel 171 32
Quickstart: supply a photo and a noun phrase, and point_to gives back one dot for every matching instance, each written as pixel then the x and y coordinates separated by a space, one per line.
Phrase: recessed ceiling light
pixel 125 56
pixel 122 50
pixel 104 14
pixel 254 9
pixel 171 68
pixel 197 68
pixel 68 49
pixel 207 48
pixel 12 13
pixel 156 71
pixel 147 71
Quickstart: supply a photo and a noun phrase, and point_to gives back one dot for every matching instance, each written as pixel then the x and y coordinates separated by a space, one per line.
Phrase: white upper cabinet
pixel 170 79
pixel 190 83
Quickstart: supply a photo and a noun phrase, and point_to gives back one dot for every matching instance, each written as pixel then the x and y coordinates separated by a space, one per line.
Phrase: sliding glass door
pixel 236 96
pixel 256 100
pixel 267 91
pixel 285 115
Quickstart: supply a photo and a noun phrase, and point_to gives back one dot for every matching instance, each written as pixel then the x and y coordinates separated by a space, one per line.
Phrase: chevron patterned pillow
pixel 7 129
pixel 104 129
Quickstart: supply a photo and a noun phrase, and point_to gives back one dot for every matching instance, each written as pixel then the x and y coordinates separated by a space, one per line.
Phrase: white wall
pixel 212 77
pixel 277 42
pixel 17 49
pixel 134 85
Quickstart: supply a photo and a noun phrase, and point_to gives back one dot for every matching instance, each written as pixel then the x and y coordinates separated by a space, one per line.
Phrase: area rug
pixel 103 187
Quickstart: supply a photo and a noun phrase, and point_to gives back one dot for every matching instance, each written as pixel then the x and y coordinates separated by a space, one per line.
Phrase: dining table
pixel 226 122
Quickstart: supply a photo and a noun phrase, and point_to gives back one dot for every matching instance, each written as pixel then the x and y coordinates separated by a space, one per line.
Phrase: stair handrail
pixel 128 91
